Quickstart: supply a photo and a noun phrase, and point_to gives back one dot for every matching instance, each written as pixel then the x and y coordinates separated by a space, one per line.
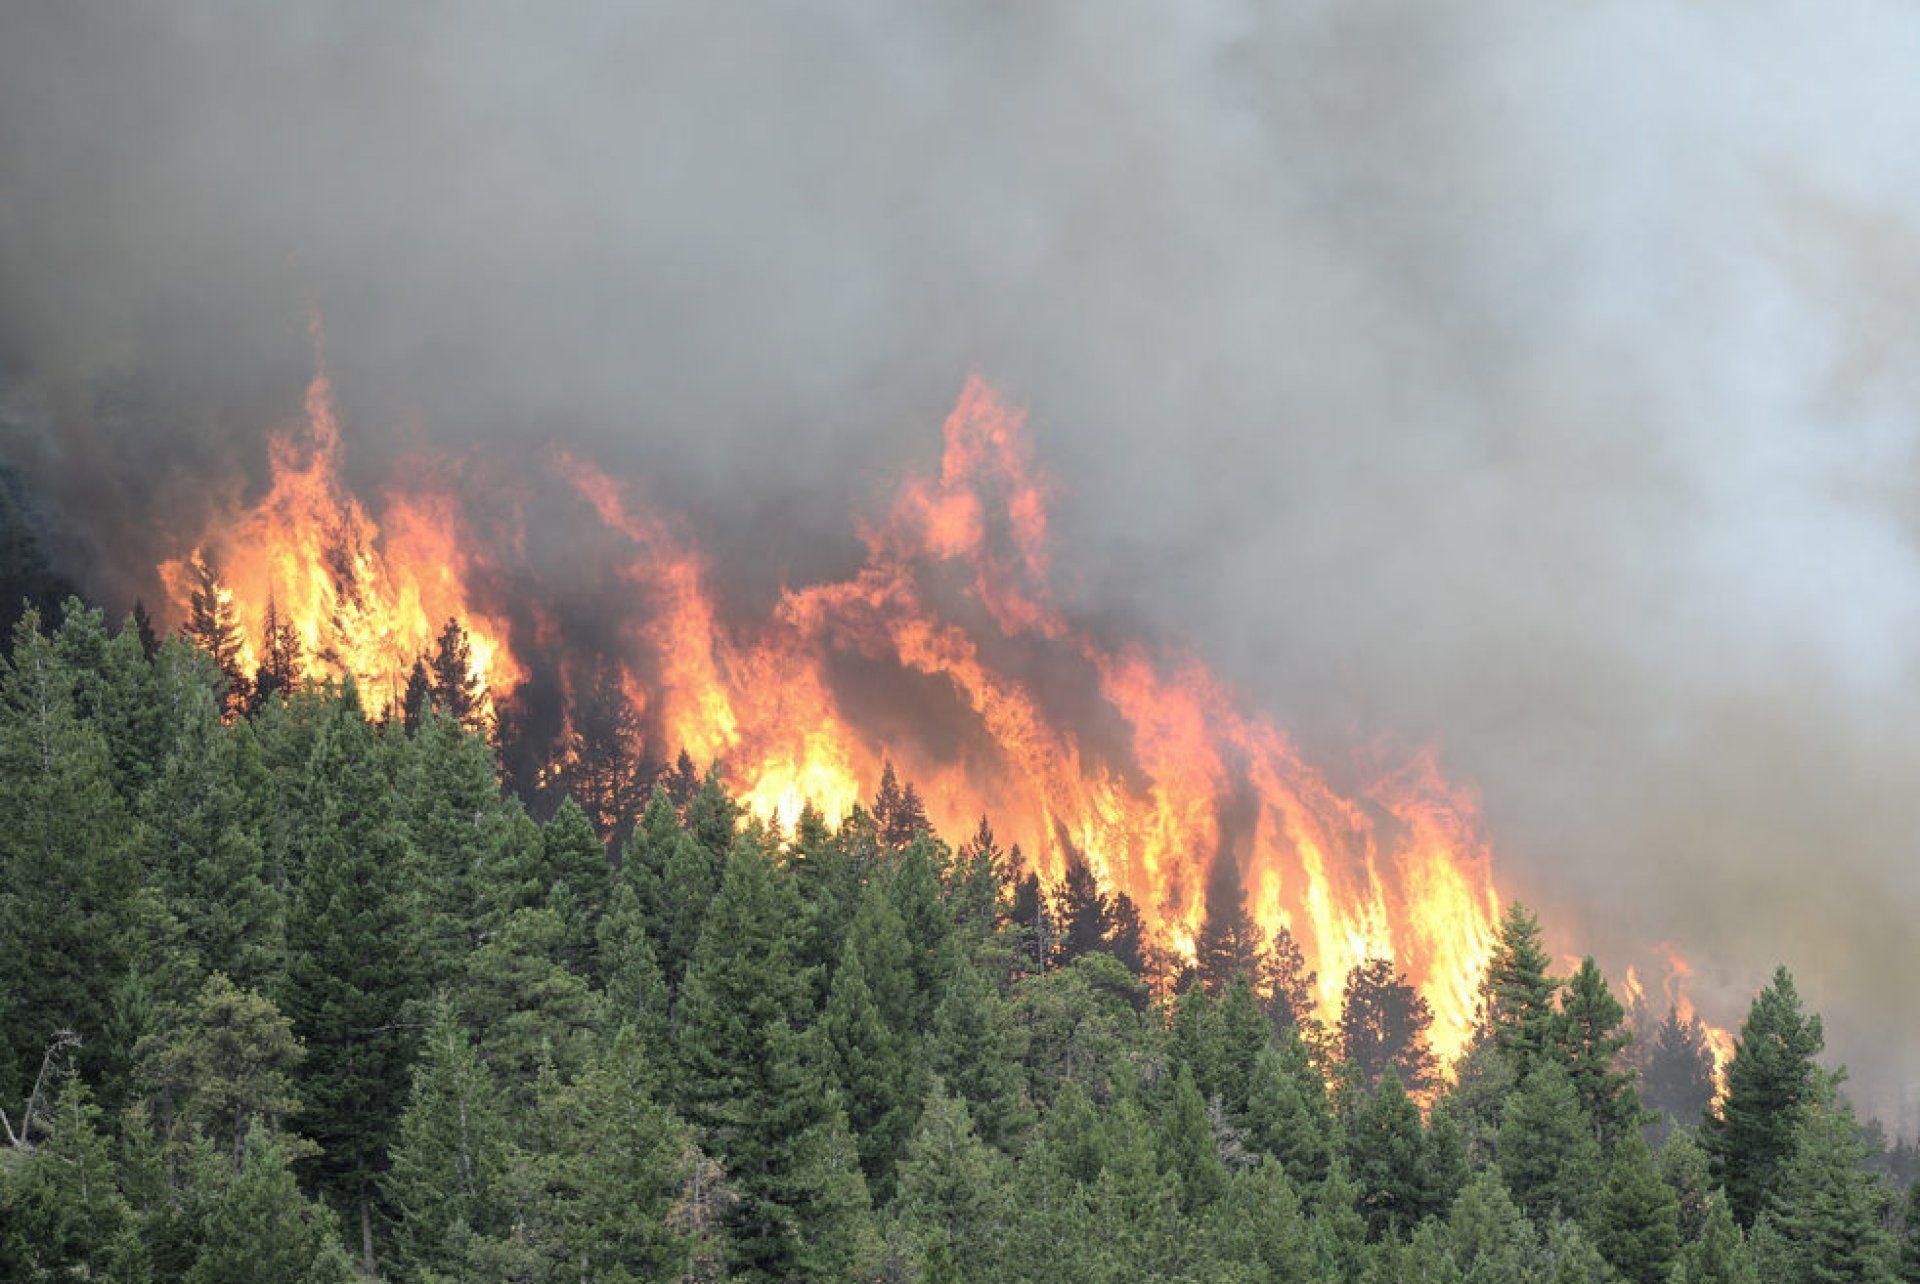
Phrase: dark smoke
pixel 1534 378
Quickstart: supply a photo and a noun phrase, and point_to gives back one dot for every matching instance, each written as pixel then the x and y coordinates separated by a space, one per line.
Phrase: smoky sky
pixel 1532 379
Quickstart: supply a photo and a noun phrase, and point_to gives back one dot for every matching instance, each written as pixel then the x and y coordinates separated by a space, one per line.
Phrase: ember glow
pixel 1148 766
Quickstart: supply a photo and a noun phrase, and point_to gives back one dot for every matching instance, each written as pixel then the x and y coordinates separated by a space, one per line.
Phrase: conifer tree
pixel 451 1155
pixel 260 1227
pixel 629 970
pixel 576 881
pixel 955 1199
pixel 1769 1082
pixel 616 1165
pixel 450 805
pixel 1386 1153
pixel 1829 1209
pixel 1590 1036
pixel 355 969
pixel 456 687
pixel 750 1080
pixel 1287 1116
pixel 674 878
pixel 528 1009
pixel 213 626
pixel 70 898
pixel 1079 913
pixel 975 1046
pixel 1907 1251
pixel 1187 1150
pixel 1230 944
pixel 1516 995
pixel 1678 1084
pixel 228 1069
pixel 1718 1255
pixel 1261 1227
pixel 417 700
pixel 866 1027
pixel 278 673
pixel 1383 1028
pixel 1635 1218
pixel 1547 1154
pixel 62 1212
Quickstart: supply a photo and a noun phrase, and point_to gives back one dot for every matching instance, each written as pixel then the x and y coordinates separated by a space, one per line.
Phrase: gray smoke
pixel 1535 378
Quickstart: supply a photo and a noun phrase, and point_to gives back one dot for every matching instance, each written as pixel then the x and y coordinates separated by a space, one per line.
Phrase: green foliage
pixel 1547 1153
pixel 851 1055
pixel 1769 1083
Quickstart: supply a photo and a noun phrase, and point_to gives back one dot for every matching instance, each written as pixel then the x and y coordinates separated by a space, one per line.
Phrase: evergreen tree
pixel 1547 1154
pixel 260 1227
pixel 1830 1210
pixel 1768 1084
pixel 450 802
pixel 750 1079
pixel 228 1069
pixel 1079 913
pixel 956 1198
pixel 617 1164
pixel 976 1046
pixel 1383 1028
pixel 867 1028
pixel 278 673
pixel 1516 995
pixel 630 975
pixel 577 881
pixel 213 626
pixel 355 969
pixel 1386 1153
pixel 70 896
pixel 1186 1148
pixel 456 690
pixel 1590 1037
pixel 1287 985
pixel 1230 944
pixel 417 700
pixel 1718 1255
pixel 1287 1116
pixel 1678 1084
pixel 62 1212
pixel 1907 1252
pixel 673 878
pixel 1261 1227
pixel 1636 1219
pixel 528 1009
pixel 451 1156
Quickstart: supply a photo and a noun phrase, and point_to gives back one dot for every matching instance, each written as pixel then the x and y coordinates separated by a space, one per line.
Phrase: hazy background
pixel 1534 378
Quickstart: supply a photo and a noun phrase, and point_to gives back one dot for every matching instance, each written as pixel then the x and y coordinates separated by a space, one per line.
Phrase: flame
pixel 366 598
pixel 1140 762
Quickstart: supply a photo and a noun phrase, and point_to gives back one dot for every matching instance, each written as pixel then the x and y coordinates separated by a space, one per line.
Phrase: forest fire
pixel 1147 767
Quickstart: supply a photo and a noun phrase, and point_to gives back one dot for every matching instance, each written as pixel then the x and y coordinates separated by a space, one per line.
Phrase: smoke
pixel 1532 379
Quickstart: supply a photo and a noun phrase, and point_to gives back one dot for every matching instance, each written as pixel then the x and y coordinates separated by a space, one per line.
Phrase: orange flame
pixel 1144 765
pixel 365 598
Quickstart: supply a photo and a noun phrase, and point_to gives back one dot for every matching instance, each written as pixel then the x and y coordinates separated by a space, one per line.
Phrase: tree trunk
pixel 368 1266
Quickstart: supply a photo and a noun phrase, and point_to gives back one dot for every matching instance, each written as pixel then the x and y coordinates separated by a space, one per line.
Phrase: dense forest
pixel 293 989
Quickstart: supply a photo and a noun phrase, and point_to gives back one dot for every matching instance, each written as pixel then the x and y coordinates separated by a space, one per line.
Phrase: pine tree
pixel 975 1046
pixel 629 970
pixel 456 688
pixel 1636 1219
pixel 213 626
pixel 1230 944
pixel 1590 1036
pixel 417 701
pixel 202 843
pixel 1261 1226
pixel 1079 913
pixel 70 898
pixel 260 1227
pixel 1287 985
pixel 527 1008
pixel 1287 1116
pixel 451 1155
pixel 673 877
pixel 1718 1255
pixel 1678 1084
pixel 617 1163
pixel 576 880
pixel 228 1069
pixel 956 1198
pixel 750 1080
pixel 1516 995
pixel 62 1212
pixel 450 802
pixel 1829 1209
pixel 1907 1252
pixel 1386 1153
pixel 1547 1154
pixel 1186 1148
pixel 1769 1082
pixel 1383 1028
pixel 355 968
pixel 867 1028
pixel 278 673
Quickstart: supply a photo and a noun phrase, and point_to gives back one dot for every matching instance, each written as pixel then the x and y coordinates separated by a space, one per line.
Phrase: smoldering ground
pixel 1533 379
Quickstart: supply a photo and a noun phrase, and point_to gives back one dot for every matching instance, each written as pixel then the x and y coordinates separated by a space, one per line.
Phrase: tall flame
pixel 1145 765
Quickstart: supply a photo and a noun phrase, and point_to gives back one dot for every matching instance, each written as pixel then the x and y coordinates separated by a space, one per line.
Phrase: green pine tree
pixel 1769 1083
pixel 260 1227
pixel 1590 1036
pixel 1547 1154
pixel 1635 1219
pixel 1516 995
